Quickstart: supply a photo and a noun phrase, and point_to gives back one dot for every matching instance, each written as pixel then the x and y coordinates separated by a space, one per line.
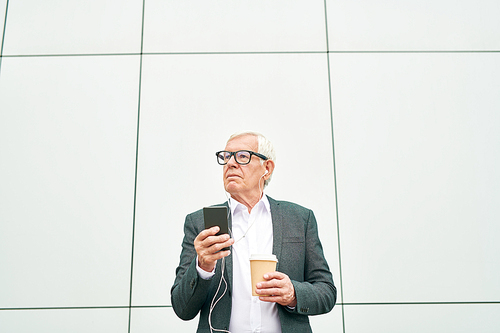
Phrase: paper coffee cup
pixel 261 264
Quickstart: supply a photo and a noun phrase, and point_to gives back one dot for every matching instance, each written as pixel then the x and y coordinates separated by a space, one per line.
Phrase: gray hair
pixel 265 147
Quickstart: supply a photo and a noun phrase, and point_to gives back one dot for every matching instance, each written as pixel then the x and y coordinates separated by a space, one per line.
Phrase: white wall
pixel 387 110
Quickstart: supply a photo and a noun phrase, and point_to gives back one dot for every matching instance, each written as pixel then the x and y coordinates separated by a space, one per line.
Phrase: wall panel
pixel 426 25
pixel 459 318
pixel 190 106
pixel 417 155
pixel 64 320
pixel 68 133
pixel 229 26
pixel 76 27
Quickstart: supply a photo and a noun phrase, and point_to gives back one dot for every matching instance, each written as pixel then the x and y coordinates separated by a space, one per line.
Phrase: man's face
pixel 244 180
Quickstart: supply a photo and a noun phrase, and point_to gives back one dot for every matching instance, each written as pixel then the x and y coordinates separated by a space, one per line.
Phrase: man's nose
pixel 232 161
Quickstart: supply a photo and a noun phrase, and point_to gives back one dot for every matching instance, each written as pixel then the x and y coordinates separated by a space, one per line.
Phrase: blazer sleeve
pixel 312 279
pixel 189 291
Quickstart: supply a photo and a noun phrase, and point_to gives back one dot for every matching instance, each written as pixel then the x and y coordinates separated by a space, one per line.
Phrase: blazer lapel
pixel 229 259
pixel 277 219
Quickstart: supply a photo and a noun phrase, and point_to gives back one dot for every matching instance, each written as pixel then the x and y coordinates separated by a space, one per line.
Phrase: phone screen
pixel 216 215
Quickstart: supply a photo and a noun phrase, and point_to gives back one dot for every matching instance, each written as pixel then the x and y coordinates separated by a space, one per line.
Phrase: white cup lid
pixel 270 257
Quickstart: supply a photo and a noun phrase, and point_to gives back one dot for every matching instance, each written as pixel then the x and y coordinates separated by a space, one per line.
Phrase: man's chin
pixel 231 188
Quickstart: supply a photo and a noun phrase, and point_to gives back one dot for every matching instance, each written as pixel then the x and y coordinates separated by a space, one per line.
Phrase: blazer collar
pixel 277 217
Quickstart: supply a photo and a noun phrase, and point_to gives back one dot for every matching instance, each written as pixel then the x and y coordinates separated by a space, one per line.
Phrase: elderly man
pixel 216 282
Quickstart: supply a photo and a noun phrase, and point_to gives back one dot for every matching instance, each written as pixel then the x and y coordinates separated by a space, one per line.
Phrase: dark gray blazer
pixel 300 255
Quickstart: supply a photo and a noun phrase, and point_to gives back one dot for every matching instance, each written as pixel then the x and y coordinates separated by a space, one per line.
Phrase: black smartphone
pixel 216 215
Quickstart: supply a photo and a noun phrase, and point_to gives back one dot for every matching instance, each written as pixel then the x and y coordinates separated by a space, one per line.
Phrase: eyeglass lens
pixel 241 157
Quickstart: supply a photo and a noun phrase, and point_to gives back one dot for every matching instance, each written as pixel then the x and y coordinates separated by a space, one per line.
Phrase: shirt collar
pixel 235 205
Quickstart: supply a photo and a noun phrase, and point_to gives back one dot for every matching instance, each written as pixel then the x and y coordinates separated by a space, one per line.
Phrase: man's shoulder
pixel 288 205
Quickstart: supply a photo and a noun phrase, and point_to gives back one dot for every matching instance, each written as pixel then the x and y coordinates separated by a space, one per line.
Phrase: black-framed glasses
pixel 241 157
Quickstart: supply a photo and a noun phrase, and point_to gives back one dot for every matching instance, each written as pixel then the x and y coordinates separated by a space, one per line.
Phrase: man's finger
pixel 274 275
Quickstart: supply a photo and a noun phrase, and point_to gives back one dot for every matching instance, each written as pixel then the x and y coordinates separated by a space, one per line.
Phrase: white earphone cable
pixel 214 302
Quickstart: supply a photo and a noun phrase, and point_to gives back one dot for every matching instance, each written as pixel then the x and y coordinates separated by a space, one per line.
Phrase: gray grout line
pixel 136 168
pixel 169 306
pixel 3 33
pixel 245 53
pixel 340 285
pixel 421 303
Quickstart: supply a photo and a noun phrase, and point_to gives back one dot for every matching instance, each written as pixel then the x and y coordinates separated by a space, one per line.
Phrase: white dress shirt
pixel 253 234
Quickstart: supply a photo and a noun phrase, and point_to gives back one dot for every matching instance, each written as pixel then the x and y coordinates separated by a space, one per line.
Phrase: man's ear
pixel 269 165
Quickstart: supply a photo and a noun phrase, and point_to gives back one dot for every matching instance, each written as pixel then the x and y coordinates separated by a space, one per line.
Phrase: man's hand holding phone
pixel 208 246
